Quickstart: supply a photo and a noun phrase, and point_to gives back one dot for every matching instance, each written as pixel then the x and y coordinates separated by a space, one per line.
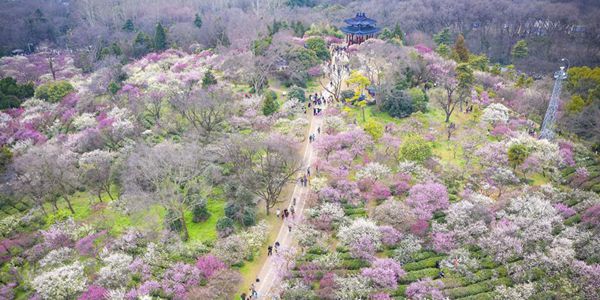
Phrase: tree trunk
pixel 363 114
pixel 69 204
pixel 267 207
pixel 54 204
pixel 184 228
pixel 99 196
pixel 107 189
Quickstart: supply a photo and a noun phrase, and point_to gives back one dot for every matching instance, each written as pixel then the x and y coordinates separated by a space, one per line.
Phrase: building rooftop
pixel 361 20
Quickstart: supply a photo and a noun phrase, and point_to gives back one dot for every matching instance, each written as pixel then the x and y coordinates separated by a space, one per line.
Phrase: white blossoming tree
pixel 61 283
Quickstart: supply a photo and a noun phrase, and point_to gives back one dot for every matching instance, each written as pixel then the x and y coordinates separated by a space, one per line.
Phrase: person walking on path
pixel 294 202
pixel 269 250
pixel 308 171
pixel 293 211
pixel 276 246
pixel 277 213
pixel 290 227
pixel 319 129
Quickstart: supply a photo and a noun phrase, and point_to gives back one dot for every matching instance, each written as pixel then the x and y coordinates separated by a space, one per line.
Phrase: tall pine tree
pixel 460 49
pixel 520 50
pixel 197 21
pixel 160 37
pixel 128 26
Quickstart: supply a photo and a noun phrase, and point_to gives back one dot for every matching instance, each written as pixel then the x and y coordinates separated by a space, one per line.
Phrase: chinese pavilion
pixel 359 29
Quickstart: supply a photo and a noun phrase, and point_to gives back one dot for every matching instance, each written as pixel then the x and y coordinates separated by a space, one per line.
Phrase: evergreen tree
pixel 270 105
pixel 198 21
pixel 386 34
pixel 520 50
pixel 209 79
pixel 141 45
pixel 160 37
pixel 461 51
pixel 443 37
pixel 128 26
pixel 299 28
pixel 398 33
pixel 443 50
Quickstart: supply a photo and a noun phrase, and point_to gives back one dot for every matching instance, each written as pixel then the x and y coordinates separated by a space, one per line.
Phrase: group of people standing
pixel 316 101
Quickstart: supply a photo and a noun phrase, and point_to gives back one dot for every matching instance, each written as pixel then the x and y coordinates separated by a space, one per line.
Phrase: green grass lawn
pixel 90 211
pixel 206 231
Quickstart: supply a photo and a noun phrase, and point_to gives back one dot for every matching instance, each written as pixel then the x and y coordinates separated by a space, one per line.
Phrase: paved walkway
pixel 268 275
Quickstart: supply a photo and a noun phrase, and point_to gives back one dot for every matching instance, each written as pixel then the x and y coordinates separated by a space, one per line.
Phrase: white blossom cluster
pixel 495 113
pixel 360 229
pixel 116 272
pixel 57 257
pixel 373 171
pixel 60 283
pixel 84 120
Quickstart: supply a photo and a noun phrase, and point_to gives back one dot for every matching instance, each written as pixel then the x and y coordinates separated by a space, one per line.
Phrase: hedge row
pixel 481 296
pixel 477 288
pixel 423 264
pixel 354 264
pixel 416 275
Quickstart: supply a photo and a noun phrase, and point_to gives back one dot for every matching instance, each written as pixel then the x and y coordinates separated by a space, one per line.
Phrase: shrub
pixel 12 93
pixel 270 105
pixel 416 275
pixel 415 148
pixel 419 99
pixel 54 91
pixel 423 264
pixel 398 103
pixel 374 129
pixel 354 264
pixel 346 94
pixel 208 79
pixel 476 288
pixel 200 212
pixel 297 93
pixel 224 226
pixel 319 46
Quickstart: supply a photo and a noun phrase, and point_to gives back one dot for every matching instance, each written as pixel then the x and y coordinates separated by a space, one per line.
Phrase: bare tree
pixel 262 165
pixel 98 171
pixel 164 175
pixel 205 109
pixel 47 172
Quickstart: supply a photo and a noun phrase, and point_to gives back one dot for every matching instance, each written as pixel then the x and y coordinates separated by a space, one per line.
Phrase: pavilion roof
pixel 360 19
pixel 360 30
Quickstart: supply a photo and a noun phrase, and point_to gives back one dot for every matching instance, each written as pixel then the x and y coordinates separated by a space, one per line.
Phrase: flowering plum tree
pixel 427 198
pixel 209 265
pixel 61 283
pixel 384 273
pixel 362 236
pixel 396 214
pixel 425 289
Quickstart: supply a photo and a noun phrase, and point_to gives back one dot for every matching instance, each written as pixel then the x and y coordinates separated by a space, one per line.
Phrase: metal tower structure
pixel 547 131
